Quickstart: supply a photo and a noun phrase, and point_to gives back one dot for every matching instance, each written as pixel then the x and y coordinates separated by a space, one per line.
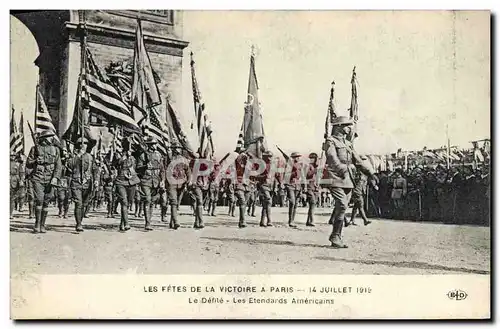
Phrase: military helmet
pixel 45 134
pixel 267 154
pixel 81 140
pixel 295 155
pixel 149 140
pixel 342 121
pixel 313 155
pixel 363 157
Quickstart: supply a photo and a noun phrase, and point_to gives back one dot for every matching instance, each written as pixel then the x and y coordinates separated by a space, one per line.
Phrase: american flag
pixel 144 92
pixel 330 114
pixel 43 121
pixel 16 139
pixel 103 97
pixel 21 131
pixel 156 129
pixel 206 146
pixel 353 110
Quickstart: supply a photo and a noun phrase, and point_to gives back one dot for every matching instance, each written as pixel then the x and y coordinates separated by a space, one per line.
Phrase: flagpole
pixel 447 149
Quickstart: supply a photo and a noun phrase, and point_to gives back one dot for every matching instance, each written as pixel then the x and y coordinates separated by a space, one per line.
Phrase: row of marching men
pixel 147 171
pixel 122 176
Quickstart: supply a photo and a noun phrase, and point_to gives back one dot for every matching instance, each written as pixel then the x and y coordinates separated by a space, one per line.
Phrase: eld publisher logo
pixel 457 295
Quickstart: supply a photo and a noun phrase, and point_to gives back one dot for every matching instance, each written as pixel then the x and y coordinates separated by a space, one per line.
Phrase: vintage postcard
pixel 181 164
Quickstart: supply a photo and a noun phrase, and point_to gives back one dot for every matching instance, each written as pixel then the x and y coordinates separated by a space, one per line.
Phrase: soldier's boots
pixel 164 214
pixel 124 225
pixel 173 217
pixel 291 215
pixel 43 218
pixel 79 218
pixel 212 208
pixel 31 210
pixel 310 215
pixel 233 207
pixel 148 211
pixel 336 236
pixel 65 213
pixel 263 217
pixel 241 223
pixel 198 221
pixel 253 210
pixel 60 213
pixel 38 222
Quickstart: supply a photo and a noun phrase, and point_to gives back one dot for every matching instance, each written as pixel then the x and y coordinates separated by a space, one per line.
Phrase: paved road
pixel 384 247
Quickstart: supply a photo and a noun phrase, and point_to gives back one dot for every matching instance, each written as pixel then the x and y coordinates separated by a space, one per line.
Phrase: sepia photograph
pixel 250 164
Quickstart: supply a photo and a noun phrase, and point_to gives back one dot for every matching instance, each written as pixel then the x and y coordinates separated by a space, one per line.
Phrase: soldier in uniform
pixel 126 181
pixel 21 197
pixel 83 180
pixel 340 157
pixel 213 190
pixel 358 195
pixel 108 178
pixel 16 180
pixel 45 160
pixel 264 186
pixel 312 188
pixel 293 187
pixel 177 177
pixel 151 171
pixel 240 187
pixel 230 189
pixel 197 186
pixel 251 196
pixel 63 192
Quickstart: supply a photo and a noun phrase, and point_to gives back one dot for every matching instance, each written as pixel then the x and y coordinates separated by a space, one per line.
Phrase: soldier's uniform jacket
pixel 65 180
pixel 125 167
pixel 16 174
pixel 265 182
pixel 150 168
pixel 240 184
pixel 45 160
pixel 83 170
pixel 295 176
pixel 312 179
pixel 107 176
pixel 340 160
pixel 179 172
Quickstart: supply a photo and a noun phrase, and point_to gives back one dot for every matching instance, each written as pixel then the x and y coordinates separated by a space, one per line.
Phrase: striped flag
pixel 15 136
pixel 176 135
pixel 240 142
pixel 156 129
pixel 330 114
pixel 144 94
pixel 21 131
pixel 43 121
pixel 206 146
pixel 103 97
pixel 353 110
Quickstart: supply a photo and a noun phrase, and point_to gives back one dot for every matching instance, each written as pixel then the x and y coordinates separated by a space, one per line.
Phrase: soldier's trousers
pixel 43 194
pixel 293 201
pixel 150 195
pixel 312 199
pixel 212 202
pixel 171 196
pixel 341 197
pixel 81 195
pixel 63 200
pixel 108 198
pixel 250 200
pixel 198 209
pixel 241 202
pixel 266 199
pixel 125 196
pixel 231 202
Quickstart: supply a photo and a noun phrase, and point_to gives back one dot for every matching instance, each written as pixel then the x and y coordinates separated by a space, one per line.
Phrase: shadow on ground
pixel 402 264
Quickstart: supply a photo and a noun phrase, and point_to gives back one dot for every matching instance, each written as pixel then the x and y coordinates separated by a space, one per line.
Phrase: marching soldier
pixel 152 175
pixel 213 190
pixel 264 186
pixel 358 195
pixel 21 197
pixel 197 186
pixel 63 193
pixel 45 160
pixel 240 188
pixel 251 196
pixel 126 181
pixel 16 180
pixel 230 189
pixel 177 177
pixel 83 180
pixel 312 188
pixel 340 157
pixel 293 188
pixel 109 175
